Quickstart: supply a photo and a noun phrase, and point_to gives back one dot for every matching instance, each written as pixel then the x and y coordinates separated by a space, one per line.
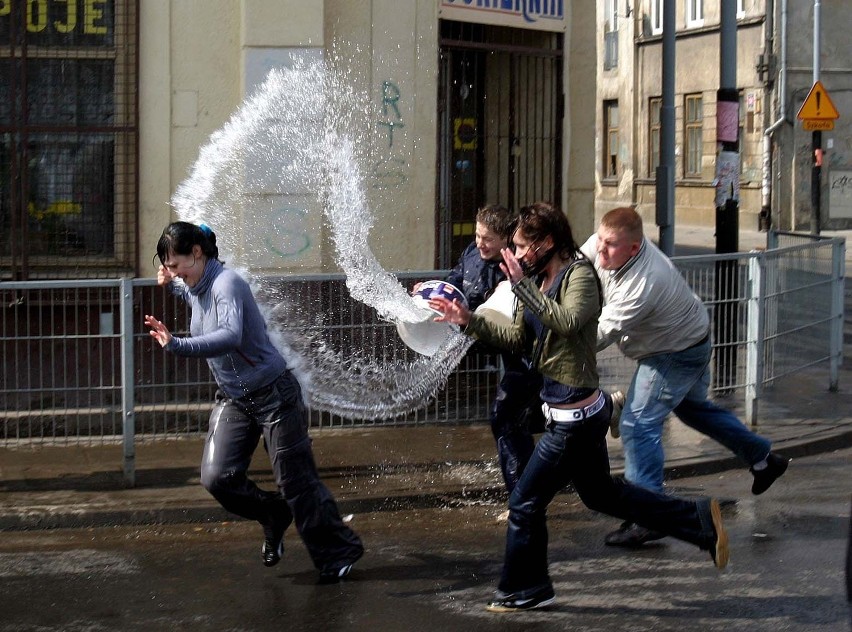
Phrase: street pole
pixel 727 181
pixel 816 136
pixel 665 171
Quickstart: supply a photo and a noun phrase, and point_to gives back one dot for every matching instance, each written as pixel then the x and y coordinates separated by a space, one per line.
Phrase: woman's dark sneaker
pixel 512 603
pixel 271 551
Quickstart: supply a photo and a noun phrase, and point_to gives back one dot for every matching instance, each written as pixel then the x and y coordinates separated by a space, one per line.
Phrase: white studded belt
pixel 573 414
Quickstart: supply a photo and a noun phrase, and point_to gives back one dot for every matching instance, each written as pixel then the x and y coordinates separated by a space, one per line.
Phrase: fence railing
pixel 78 364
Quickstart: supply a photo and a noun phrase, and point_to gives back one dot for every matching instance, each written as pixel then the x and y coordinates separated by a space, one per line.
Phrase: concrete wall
pixel 581 53
pixel 390 51
pixel 199 58
pixel 195 58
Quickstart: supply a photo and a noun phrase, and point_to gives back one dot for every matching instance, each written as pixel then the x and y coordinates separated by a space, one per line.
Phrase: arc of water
pixel 277 130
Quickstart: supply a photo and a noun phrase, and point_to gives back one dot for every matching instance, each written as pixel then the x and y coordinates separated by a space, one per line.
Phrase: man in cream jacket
pixel 655 318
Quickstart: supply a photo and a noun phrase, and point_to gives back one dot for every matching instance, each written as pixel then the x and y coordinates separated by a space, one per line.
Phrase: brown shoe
pixel 719 551
pixel 618 399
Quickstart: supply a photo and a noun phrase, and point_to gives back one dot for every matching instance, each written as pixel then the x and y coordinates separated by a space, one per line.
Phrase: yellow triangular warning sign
pixel 817 105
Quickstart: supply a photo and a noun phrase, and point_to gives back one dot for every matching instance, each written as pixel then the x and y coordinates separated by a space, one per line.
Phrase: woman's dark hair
pixel 180 237
pixel 540 219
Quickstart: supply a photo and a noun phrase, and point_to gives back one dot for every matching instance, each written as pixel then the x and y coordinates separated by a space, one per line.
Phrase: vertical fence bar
pixel 771 240
pixel 838 273
pixel 128 414
pixel 754 337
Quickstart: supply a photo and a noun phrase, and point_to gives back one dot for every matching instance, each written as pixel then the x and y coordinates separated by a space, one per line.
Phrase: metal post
pixel 665 172
pixel 755 341
pixel 765 70
pixel 727 200
pixel 127 381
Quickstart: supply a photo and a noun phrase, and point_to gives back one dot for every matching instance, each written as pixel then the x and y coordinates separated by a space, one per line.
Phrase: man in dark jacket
pixel 516 411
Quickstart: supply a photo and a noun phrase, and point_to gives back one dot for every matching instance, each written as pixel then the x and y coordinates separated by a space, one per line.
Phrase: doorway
pixel 500 112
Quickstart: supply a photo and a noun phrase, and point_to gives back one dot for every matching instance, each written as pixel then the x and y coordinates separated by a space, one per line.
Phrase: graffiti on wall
pixel 840 194
pixel 288 238
pixel 391 168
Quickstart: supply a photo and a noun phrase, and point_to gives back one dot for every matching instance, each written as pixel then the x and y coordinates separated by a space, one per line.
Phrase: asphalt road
pixel 434 569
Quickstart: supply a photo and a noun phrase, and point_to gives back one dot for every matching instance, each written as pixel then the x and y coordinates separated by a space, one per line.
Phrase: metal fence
pixel 78 365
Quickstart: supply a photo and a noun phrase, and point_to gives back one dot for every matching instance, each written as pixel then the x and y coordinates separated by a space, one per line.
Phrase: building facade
pixel 774 74
pixel 105 104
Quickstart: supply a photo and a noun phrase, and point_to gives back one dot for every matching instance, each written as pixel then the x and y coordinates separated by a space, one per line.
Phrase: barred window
pixel 68 138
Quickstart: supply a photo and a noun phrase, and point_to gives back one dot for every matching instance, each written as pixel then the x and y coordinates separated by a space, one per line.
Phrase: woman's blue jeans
pixel 677 382
pixel 576 453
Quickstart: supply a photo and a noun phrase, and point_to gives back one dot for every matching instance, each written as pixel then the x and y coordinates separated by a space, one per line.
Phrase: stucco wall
pixel 580 105
pixel 199 58
pixel 792 176
pixel 390 51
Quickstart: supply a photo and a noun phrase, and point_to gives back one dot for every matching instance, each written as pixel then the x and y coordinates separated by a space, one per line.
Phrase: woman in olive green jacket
pixel 555 327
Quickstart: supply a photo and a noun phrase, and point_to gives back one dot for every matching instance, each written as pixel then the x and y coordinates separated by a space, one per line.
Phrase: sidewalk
pixel 376 468
pixel 367 469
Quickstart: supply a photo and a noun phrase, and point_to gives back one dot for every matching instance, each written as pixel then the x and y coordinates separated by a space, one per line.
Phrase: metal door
pixel 500 111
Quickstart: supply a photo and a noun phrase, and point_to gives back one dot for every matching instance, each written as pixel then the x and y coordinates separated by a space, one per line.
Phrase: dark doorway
pixel 500 110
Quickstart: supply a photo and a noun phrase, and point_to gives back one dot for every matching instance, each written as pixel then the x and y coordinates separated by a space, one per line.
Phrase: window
pixel 694 13
pixel 68 138
pixel 740 9
pixel 692 124
pixel 741 126
pixel 655 105
pixel 610 34
pixel 610 167
pixel 656 17
pixel 610 15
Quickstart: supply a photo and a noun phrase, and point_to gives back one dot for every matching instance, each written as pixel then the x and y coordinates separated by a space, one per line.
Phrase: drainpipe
pixel 816 136
pixel 665 210
pixel 765 218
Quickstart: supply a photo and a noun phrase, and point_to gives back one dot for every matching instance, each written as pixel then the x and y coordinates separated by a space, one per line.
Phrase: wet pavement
pixel 434 568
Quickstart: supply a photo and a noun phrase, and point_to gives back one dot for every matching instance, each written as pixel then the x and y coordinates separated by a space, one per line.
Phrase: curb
pixel 75 517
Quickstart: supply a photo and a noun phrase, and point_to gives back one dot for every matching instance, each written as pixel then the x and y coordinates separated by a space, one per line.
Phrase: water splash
pixel 295 135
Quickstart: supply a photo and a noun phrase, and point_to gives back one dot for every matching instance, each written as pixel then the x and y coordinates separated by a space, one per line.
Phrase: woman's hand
pixel 511 267
pixel 159 331
pixel 164 276
pixel 451 311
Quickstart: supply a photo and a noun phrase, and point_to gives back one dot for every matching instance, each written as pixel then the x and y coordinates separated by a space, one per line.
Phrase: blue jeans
pixel 575 452
pixel 677 382
pixel 277 413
